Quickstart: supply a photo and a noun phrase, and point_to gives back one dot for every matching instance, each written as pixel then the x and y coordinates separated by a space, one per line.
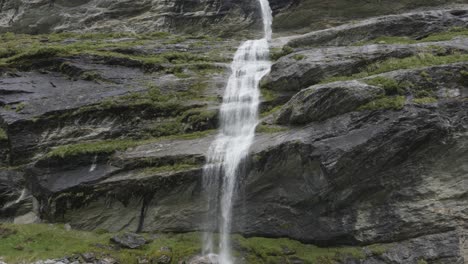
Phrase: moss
pixel 447 35
pixel 391 86
pixel 271 110
pixel 3 134
pixel 26 50
pixel 440 36
pixel 267 250
pixel 392 64
pixel 387 40
pixel 270 129
pixel 425 100
pixel 169 168
pixel 268 95
pixel 108 146
pixel 298 57
pixel 111 146
pixel 378 249
pixel 283 52
pixel 422 261
pixel 387 102
pixel 28 243
pixel 19 107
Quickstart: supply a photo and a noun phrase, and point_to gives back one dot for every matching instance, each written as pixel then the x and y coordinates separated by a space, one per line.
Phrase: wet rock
pixel 88 257
pixel 129 240
pixel 415 25
pixel 107 260
pixel 206 259
pixel 287 251
pixel 141 260
pixel 318 64
pixel 67 227
pixel 320 102
pixel 143 16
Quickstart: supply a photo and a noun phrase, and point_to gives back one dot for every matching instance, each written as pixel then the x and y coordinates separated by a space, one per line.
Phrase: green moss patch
pixel 387 102
pixel 27 243
pixel 111 146
pixel 391 86
pixel 270 129
pixel 23 51
pixel 170 168
pixel 276 54
pixel 413 62
pixel 440 36
pixel 3 134
pixel 425 100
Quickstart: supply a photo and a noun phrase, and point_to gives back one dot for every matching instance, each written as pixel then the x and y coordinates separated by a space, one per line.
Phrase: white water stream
pixel 238 118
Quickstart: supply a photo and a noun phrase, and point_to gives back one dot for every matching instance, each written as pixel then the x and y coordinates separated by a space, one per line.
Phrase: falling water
pixel 238 119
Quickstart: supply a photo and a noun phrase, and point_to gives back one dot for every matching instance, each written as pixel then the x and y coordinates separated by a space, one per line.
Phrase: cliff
pixel 363 138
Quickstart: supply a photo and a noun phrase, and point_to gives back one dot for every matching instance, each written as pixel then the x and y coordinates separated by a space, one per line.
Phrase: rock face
pixel 313 104
pixel 376 155
pixel 290 74
pixel 394 25
pixel 47 16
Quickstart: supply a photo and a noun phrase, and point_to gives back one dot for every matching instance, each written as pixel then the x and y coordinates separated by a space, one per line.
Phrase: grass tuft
pixel 387 102
pixel 418 61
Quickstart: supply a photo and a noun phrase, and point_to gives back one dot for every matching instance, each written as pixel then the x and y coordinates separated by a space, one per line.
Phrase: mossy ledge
pixel 21 243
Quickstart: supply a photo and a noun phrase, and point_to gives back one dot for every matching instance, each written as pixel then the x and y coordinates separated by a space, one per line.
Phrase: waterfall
pixel 238 120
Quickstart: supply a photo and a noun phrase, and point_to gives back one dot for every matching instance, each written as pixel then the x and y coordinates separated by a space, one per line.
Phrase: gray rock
pixel 141 16
pixel 129 240
pixel 88 257
pixel 67 227
pixel 107 260
pixel 415 25
pixel 324 101
pixel 289 74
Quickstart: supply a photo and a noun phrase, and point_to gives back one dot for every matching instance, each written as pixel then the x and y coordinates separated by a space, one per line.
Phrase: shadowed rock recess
pixel 363 138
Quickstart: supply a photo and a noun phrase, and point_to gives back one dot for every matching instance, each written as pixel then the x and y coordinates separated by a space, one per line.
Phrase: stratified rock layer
pixel 354 162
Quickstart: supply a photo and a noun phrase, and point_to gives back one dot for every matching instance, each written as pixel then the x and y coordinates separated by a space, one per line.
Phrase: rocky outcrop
pixel 315 103
pixel 377 158
pixel 46 16
pixel 302 69
pixel 402 25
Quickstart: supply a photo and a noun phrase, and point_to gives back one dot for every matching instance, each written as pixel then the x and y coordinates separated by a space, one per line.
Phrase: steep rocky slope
pixel 47 16
pixel 363 138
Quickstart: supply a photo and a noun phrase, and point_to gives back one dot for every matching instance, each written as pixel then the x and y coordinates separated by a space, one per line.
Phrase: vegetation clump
pixel 286 50
pixel 3 134
pixel 269 129
pixel 391 86
pixel 425 100
pixel 435 37
pixel 417 61
pixel 111 146
pixel 386 102
pixel 28 243
pixel 24 51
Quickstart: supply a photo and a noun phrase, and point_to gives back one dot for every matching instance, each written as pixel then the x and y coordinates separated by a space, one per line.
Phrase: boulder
pixel 320 102
pixel 129 240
